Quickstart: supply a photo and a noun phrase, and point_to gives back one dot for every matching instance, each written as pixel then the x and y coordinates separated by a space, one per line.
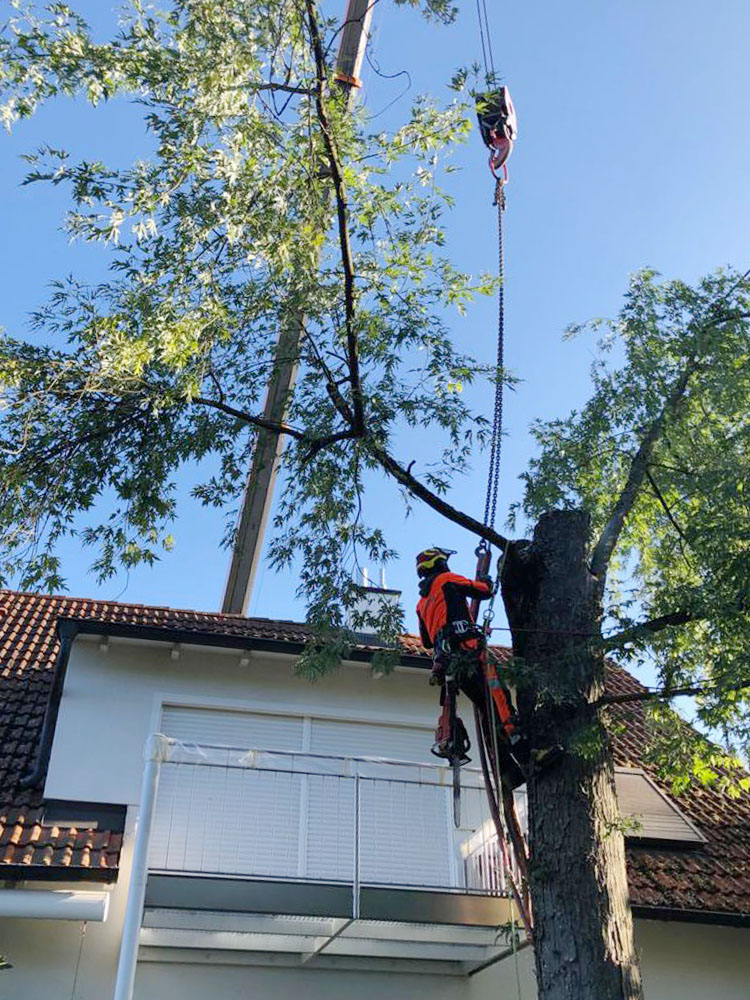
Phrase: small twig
pixel 665 507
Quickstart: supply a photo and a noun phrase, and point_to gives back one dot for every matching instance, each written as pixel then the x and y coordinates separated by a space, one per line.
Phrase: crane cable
pixel 486 39
pixel 493 478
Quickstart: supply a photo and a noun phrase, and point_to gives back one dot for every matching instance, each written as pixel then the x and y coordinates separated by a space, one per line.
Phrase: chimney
pixel 371 598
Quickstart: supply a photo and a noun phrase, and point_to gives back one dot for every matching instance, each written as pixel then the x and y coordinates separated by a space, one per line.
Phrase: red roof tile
pixel 714 877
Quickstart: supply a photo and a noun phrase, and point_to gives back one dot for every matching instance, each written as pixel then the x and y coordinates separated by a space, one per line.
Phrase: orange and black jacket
pixel 443 602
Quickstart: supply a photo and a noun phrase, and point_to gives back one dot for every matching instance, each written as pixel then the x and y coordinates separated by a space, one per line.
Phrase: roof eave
pixel 725 918
pixel 58 873
pixel 167 633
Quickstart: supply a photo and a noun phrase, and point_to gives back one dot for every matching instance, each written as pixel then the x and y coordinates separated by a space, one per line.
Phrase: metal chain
pixel 493 478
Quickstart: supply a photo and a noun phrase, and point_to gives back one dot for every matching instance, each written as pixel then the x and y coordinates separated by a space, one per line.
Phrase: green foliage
pixel 685 545
pixel 218 242
pixel 682 756
pixel 438 10
pixel 587 741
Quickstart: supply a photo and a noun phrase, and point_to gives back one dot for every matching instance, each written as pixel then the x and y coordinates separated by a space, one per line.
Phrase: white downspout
pixel 155 752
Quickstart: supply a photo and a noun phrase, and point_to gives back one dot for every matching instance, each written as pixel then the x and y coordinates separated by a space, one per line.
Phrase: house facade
pixel 289 836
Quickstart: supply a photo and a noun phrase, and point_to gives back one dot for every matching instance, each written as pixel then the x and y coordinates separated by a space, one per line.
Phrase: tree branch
pixel 612 529
pixel 665 694
pixel 651 627
pixel 248 418
pixel 418 489
pixel 283 87
pixel 665 507
pixel 325 442
pixel 611 532
pixel 342 213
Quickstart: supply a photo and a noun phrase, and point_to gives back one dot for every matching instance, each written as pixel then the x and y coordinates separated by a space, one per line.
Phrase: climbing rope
pixel 514 946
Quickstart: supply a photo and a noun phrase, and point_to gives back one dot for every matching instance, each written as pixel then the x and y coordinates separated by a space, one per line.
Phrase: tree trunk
pixel 583 927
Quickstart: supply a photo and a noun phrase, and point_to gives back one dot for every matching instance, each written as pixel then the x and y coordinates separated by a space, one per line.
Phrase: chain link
pixel 493 477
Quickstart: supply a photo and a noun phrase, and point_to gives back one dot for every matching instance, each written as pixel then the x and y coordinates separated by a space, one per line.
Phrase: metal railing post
pixel 357 832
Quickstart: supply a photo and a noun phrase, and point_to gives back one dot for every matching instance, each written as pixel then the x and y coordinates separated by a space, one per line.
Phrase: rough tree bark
pixel 583 927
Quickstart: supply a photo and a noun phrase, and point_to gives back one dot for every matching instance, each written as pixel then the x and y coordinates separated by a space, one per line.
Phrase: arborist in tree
pixel 458 643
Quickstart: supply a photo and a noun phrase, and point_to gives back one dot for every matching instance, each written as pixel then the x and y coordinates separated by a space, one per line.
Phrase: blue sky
pixel 633 150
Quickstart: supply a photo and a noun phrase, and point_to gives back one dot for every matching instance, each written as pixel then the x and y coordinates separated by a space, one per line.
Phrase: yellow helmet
pixel 430 558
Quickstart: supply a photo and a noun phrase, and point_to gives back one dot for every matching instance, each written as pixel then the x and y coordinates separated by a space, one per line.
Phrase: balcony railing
pixel 305 817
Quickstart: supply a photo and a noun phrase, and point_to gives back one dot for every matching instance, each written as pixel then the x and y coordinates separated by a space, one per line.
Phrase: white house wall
pixel 679 961
pixel 196 982
pixel 111 702
pixel 693 961
pixel 54 959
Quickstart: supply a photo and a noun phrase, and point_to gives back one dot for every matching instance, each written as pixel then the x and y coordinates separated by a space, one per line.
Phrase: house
pixel 301 839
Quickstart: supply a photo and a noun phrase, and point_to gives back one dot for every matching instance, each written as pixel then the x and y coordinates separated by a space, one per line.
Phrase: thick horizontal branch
pixel 325 442
pixel 651 627
pixel 665 694
pixel 672 619
pixel 283 87
pixel 315 444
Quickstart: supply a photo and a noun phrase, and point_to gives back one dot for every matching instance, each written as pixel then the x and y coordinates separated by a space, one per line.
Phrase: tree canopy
pixel 221 239
pixel 263 204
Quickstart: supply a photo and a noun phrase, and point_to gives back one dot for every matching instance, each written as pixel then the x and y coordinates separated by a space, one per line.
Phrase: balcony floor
pixel 298 923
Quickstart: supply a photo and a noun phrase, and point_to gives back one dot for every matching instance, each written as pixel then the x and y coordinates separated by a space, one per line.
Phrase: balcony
pixel 299 857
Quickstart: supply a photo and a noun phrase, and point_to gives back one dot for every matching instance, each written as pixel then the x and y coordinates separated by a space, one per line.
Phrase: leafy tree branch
pixel 605 546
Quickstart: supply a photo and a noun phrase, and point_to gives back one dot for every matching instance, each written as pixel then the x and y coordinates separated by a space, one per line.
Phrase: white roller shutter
pixel 405 834
pixel 211 818
pixel 329 835
pixel 217 819
pixel 367 739
pixel 405 830
pixel 215 727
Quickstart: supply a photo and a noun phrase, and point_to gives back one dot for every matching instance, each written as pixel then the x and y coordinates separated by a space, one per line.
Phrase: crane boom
pixel 258 497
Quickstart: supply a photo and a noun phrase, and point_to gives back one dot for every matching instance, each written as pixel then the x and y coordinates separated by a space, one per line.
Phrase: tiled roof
pixel 28 650
pixel 714 877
